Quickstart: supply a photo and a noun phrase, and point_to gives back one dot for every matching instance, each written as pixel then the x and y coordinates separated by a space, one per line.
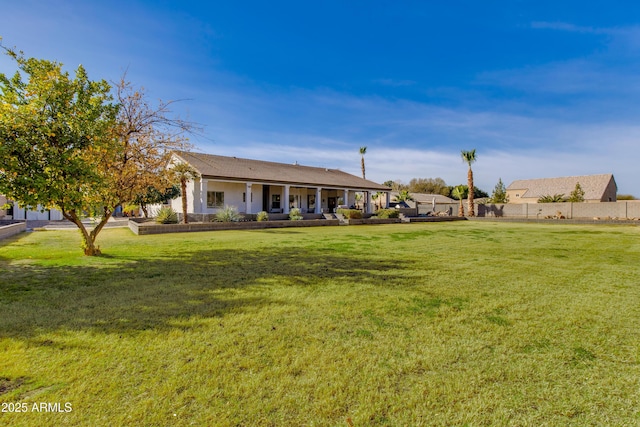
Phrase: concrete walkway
pixel 68 225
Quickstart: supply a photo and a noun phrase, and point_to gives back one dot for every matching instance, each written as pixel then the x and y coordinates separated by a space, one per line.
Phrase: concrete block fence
pixel 604 210
pixel 12 228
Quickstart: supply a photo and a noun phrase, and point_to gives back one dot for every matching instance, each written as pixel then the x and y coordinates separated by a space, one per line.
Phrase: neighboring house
pixel 15 211
pixel 423 199
pixel 254 185
pixel 597 188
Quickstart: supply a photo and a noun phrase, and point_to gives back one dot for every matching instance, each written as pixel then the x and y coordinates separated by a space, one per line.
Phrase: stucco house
pixel 597 188
pixel 15 211
pixel 255 185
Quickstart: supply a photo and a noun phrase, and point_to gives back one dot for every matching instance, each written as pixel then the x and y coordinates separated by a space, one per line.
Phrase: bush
pixel 228 214
pixel 294 214
pixel 262 216
pixel 387 213
pixel 350 213
pixel 166 215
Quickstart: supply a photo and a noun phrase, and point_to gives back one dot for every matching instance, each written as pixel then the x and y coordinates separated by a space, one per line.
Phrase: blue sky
pixel 538 88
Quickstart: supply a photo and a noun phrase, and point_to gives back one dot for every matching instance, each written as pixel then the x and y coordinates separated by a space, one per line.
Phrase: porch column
pixel 366 196
pixel 345 197
pixel 318 208
pixel 286 199
pixel 204 184
pixel 247 198
pixel 387 196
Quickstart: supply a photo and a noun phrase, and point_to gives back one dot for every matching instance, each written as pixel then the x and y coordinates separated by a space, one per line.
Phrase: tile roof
pixel 594 186
pixel 222 167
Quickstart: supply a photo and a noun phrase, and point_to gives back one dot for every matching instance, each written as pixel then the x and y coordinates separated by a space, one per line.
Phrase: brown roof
pixel 221 167
pixel 593 186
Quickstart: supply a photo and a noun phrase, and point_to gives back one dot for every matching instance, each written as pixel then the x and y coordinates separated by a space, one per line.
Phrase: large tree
pixel 363 151
pixel 469 157
pixel 57 141
pixel 147 134
pixel 65 143
pixel 429 186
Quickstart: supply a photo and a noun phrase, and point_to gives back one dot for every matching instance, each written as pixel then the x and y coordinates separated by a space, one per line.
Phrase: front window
pixel 215 199
pixel 275 201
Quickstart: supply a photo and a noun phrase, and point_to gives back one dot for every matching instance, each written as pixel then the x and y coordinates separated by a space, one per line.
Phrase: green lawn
pixel 464 323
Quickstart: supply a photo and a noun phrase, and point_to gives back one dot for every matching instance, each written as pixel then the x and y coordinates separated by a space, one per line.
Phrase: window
pixel 215 199
pixel 275 201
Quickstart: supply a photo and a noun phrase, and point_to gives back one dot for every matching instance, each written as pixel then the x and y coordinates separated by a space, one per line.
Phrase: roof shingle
pixel 222 167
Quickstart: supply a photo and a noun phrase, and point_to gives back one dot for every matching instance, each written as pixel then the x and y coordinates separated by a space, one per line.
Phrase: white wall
pixel 36 214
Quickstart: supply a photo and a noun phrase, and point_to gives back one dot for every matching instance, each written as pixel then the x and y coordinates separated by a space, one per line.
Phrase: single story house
pixel 255 185
pixel 425 199
pixel 14 211
pixel 597 188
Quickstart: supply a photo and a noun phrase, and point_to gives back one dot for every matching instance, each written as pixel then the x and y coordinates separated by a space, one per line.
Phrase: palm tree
pixel 363 151
pixel 183 172
pixel 458 193
pixel 403 196
pixel 469 157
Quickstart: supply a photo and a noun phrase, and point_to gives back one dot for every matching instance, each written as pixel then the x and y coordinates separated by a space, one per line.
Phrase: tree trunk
pixel 471 192
pixel 183 184
pixel 461 209
pixel 144 210
pixel 88 244
pixel 362 165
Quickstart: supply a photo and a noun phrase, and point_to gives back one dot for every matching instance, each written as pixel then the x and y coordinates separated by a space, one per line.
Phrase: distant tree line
pixel 431 186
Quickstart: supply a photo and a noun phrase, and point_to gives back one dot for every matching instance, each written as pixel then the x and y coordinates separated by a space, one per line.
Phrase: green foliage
pixel 499 194
pixel 465 192
pixel 403 196
pixel 295 215
pixel 577 195
pixel 154 196
pixel 458 192
pixel 262 216
pixel 395 185
pixel 387 213
pixel 56 140
pixel 552 198
pixel 625 197
pixel 228 214
pixel 350 213
pixel 429 186
pixel 182 173
pixel 166 215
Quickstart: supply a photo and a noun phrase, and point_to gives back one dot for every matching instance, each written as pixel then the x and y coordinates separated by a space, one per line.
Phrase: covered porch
pixel 253 197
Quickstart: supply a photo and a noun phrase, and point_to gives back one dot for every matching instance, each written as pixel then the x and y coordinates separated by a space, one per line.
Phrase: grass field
pixel 465 323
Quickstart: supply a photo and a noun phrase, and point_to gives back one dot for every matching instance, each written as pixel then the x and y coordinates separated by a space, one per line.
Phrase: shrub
pixel 551 198
pixel 166 215
pixel 262 216
pixel 350 213
pixel 294 214
pixel 387 213
pixel 228 214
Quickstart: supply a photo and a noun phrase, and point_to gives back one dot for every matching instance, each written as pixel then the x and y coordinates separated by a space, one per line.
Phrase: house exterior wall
pixel 610 193
pixel 38 214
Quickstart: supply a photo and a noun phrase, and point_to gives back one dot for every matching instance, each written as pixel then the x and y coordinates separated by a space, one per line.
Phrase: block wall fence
pixel 620 210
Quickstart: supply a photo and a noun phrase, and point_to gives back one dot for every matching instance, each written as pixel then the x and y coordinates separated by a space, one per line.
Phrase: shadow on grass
pixel 128 295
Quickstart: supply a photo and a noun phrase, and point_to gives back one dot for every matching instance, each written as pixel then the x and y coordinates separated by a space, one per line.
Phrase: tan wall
pixel 623 209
